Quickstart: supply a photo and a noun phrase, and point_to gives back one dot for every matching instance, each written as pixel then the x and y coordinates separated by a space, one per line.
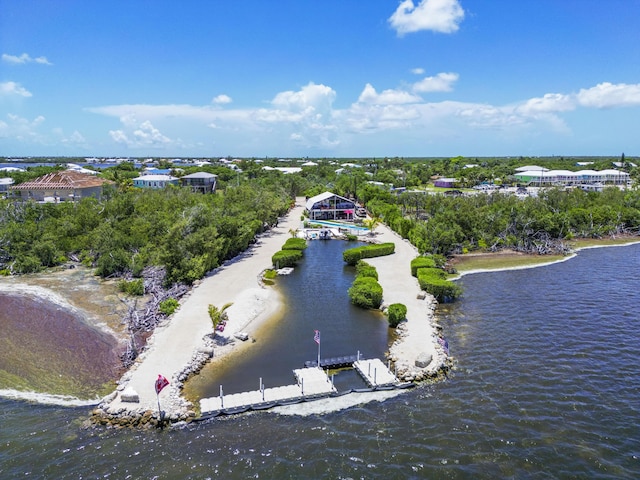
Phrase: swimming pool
pixel 338 225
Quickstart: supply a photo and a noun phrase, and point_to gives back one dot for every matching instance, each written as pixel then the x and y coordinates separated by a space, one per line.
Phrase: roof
pixel 323 196
pixel 528 168
pixel 156 178
pixel 201 175
pixel 63 180
pixel 6 181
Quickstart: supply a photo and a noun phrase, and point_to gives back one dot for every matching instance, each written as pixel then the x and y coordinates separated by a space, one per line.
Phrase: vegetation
pixel 433 281
pixel 421 262
pixel 286 258
pixel 132 287
pixel 217 315
pixel 366 292
pixel 396 313
pixel 363 269
pixel 169 306
pixel 353 255
pixel 295 244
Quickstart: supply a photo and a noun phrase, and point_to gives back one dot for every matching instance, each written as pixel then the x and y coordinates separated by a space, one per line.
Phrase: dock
pixel 375 373
pixel 312 383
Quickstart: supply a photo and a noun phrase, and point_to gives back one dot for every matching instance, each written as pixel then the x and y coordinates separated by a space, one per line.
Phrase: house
pixel 329 206
pixel 200 182
pixel 65 185
pixel 567 177
pixel 5 183
pixel 445 182
pixel 154 181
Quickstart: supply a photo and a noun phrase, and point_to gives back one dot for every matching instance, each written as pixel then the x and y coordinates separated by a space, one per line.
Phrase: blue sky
pixel 330 78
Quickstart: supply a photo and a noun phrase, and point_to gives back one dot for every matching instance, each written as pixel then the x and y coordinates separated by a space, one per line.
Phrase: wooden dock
pixel 375 373
pixel 332 363
pixel 311 383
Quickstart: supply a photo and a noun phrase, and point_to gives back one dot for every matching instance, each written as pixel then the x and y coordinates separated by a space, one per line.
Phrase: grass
pixel 502 261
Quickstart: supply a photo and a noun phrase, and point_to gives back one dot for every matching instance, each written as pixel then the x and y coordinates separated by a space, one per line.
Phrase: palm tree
pixel 218 314
pixel 372 223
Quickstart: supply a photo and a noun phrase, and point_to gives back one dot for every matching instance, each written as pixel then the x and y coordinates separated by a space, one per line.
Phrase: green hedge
pixel 421 262
pixel 396 313
pixel 432 280
pixel 366 292
pixel 295 244
pixel 286 258
pixel 363 269
pixel 352 255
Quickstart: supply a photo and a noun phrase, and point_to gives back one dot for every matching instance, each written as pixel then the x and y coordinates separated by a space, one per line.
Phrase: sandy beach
pixel 185 338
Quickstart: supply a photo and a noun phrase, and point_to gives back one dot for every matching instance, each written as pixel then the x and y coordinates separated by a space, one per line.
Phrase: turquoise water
pixel 546 385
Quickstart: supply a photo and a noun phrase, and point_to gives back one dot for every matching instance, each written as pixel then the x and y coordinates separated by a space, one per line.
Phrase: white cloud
pixel 139 134
pixel 24 58
pixel 608 95
pixel 386 97
pixel 147 134
pixel 417 71
pixel 222 99
pixel 12 89
pixel 549 103
pixel 442 82
pixel 441 16
pixel 317 97
pixel 119 136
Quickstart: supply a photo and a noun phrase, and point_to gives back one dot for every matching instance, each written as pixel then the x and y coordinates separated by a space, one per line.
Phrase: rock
pixel 129 395
pixel 423 360
pixel 422 295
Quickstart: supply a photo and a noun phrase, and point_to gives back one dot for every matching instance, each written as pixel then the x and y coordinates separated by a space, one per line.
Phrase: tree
pixel 217 315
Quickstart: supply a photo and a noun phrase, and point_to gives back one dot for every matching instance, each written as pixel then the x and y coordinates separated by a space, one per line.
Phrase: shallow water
pixel 546 385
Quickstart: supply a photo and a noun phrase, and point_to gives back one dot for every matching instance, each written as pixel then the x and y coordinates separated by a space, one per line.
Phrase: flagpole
pixel 319 340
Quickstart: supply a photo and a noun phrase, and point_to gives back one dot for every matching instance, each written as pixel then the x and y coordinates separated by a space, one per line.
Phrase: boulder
pixel 423 360
pixel 129 395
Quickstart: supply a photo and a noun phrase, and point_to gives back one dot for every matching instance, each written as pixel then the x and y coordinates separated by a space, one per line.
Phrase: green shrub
pixel 286 258
pixel 133 287
pixel 295 244
pixel 396 313
pixel 432 280
pixel 169 306
pixel 352 255
pixel 363 269
pixel 27 264
pixel 351 237
pixel 366 292
pixel 421 262
pixel 270 274
pixel 5 272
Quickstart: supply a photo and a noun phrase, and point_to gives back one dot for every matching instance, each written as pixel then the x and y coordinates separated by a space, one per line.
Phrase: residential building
pixel 200 182
pixel 62 186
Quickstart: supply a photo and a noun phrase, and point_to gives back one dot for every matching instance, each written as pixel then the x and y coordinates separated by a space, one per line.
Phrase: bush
pixel 352 255
pixel 396 313
pixel 133 287
pixel 421 262
pixel 366 292
pixel 169 306
pixel 351 237
pixel 295 244
pixel 270 274
pixel 363 269
pixel 286 258
pixel 432 280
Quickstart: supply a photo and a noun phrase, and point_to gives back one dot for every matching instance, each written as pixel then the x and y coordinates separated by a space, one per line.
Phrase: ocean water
pixel 546 384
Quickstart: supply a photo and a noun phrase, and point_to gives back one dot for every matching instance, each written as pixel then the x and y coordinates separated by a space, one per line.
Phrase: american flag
pixel 316 337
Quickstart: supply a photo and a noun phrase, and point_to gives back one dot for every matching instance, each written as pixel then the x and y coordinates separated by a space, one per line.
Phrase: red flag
pixel 316 337
pixel 161 382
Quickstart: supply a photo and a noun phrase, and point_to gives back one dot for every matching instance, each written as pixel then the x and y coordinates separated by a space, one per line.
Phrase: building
pixel 154 181
pixel 62 186
pixel 569 178
pixel 445 182
pixel 5 183
pixel 200 182
pixel 329 206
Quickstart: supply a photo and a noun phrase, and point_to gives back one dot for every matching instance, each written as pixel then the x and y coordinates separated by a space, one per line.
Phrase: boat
pixel 244 336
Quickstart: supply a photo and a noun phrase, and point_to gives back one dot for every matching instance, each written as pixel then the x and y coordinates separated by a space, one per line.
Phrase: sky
pixel 310 78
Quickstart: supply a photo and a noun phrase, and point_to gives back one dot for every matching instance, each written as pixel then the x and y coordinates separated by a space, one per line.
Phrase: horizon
pixel 405 79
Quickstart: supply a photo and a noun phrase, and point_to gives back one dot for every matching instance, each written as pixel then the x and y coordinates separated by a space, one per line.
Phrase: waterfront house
pixel 154 181
pixel 200 182
pixel 65 185
pixel 5 183
pixel 329 206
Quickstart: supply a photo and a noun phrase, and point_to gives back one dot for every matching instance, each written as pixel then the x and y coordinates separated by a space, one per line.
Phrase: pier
pixel 312 383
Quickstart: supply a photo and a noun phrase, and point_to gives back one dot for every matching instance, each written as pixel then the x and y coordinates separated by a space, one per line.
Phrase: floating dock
pixel 312 384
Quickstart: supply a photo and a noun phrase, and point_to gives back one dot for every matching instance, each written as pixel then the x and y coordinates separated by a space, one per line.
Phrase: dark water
pixel 546 385
pixel 316 298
